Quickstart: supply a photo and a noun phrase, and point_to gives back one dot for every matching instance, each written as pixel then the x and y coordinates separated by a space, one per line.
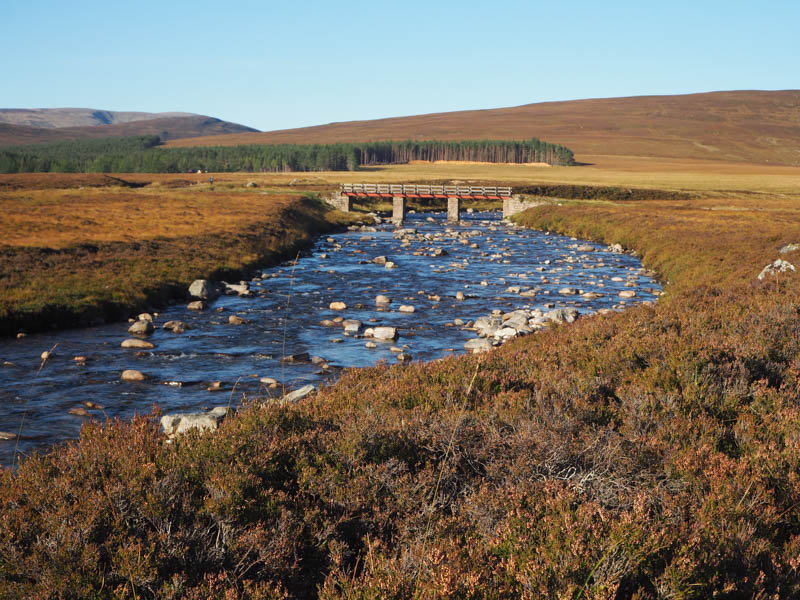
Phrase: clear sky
pixel 275 65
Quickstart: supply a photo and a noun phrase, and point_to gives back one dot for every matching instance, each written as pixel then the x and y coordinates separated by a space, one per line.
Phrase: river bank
pixel 648 453
pixel 78 255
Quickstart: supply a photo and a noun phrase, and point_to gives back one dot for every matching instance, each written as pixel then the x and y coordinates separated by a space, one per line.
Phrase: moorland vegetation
pixel 652 453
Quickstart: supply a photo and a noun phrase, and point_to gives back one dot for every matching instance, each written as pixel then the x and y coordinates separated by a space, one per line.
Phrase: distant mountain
pixel 77 117
pixel 32 126
pixel 743 126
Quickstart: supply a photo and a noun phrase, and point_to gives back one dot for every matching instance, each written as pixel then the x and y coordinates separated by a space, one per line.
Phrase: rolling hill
pixel 741 126
pixel 23 126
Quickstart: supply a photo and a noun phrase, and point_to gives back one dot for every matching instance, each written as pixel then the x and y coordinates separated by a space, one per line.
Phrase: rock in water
pixel 779 266
pixel 203 289
pixel 196 305
pixel 382 300
pixel 384 333
pixel 237 320
pixel 133 375
pixel 137 343
pixel 337 306
pixel 627 294
pixel 141 328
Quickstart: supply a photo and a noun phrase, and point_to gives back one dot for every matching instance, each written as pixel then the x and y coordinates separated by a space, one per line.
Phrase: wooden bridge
pixel 372 190
pixel 399 193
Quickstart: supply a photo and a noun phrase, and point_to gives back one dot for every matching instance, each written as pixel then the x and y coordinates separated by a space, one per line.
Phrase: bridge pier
pixel 398 209
pixel 453 209
pixel 343 203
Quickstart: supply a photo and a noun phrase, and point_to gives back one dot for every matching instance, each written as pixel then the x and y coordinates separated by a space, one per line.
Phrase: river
pixel 495 266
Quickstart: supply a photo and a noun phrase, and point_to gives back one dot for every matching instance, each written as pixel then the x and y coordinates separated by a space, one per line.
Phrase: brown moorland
pixel 652 453
pixel 78 249
pixel 747 126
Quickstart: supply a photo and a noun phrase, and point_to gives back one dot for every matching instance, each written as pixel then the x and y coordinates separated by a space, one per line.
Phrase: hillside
pixel 77 117
pixel 749 126
pixel 168 128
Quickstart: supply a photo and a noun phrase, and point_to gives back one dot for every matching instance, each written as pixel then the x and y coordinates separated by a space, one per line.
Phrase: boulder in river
pixel 406 308
pixel 196 305
pixel 141 328
pixel 337 306
pixel 133 375
pixel 175 326
pixel 384 333
pixel 351 325
pixel 627 294
pixel 137 343
pixel 204 289
pixel 237 320
pixel 382 300
pixel 300 357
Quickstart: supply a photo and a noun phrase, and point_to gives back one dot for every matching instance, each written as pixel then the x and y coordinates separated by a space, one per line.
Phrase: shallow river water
pixel 489 262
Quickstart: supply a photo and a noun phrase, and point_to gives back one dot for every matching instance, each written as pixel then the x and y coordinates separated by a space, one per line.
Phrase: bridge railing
pixel 427 190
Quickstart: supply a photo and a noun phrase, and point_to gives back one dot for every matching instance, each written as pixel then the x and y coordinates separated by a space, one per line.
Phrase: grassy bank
pixel 85 249
pixel 647 454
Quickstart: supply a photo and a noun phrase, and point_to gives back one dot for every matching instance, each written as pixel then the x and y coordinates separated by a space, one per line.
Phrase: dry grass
pixel 80 249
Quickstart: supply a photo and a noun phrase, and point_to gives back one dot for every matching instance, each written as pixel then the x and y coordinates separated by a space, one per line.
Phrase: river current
pixel 495 267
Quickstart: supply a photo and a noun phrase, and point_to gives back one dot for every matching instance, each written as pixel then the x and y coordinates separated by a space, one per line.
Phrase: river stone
pixel 370 345
pixel 351 325
pixel 175 326
pixel 203 289
pixel 299 394
pixel 779 266
pixel 505 333
pixel 379 260
pixel 196 305
pixel 382 300
pixel 384 333
pixel 563 315
pixel 145 317
pixel 337 306
pixel 406 308
pixel 585 248
pixel 459 295
pixel 389 265
pixel 300 357
pixel 237 320
pixel 179 423
pixel 568 291
pixel 627 294
pixel 137 343
pixel 478 345
pixel 141 328
pixel 404 357
pixel 133 375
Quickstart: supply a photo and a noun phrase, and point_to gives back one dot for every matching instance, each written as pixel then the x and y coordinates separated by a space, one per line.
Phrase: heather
pixel 651 453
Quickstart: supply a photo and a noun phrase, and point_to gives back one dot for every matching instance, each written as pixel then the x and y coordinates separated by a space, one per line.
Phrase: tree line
pixel 143 154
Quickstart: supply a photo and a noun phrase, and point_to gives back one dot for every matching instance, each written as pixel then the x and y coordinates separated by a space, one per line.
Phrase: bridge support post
pixel 453 209
pixel 343 203
pixel 398 209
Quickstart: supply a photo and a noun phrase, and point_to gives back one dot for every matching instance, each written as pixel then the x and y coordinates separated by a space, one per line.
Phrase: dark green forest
pixel 143 154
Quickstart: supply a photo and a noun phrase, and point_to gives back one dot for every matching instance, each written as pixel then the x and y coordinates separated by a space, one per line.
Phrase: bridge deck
pixel 373 190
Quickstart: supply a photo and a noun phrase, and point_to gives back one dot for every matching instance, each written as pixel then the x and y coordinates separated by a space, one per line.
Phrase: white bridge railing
pixel 424 190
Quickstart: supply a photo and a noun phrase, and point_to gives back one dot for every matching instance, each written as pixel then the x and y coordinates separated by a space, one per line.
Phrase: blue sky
pixel 275 65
